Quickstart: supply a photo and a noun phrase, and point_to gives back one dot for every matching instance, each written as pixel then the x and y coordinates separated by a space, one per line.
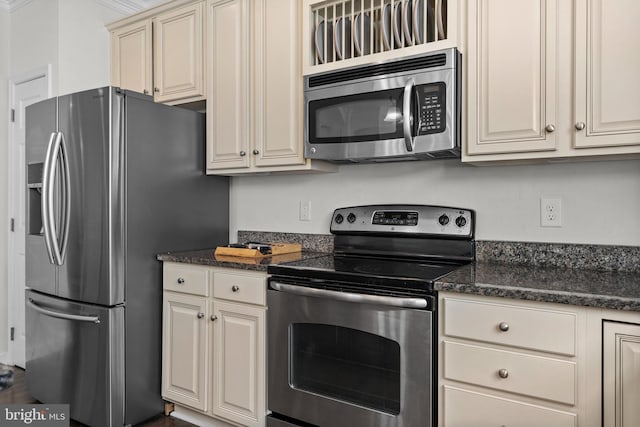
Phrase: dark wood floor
pixel 18 393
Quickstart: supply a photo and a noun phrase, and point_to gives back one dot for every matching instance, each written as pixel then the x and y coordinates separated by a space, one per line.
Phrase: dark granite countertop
pixel 583 287
pixel 206 257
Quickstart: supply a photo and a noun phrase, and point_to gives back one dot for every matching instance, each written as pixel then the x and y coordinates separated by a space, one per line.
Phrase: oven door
pixel 335 360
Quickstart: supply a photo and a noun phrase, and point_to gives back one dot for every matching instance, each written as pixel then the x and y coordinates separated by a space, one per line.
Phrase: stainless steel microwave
pixel 407 109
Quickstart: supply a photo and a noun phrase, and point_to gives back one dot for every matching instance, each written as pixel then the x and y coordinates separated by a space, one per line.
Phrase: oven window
pixel 346 364
pixel 355 118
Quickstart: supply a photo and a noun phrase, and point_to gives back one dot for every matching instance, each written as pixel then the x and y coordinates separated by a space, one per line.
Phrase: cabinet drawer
pixel 239 287
pixel 534 376
pixel 463 408
pixel 190 280
pixel 530 328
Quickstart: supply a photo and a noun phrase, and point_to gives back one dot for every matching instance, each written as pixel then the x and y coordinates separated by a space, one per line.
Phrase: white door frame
pixel 12 290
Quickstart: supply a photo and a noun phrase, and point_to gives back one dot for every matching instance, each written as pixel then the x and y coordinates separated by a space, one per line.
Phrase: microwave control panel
pixel 432 111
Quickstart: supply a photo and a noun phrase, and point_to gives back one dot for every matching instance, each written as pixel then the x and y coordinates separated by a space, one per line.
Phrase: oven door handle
pixel 350 297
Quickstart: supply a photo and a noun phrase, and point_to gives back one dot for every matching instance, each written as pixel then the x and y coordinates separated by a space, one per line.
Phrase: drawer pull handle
pixel 180 280
pixel 214 317
pixel 235 288
pixel 503 326
pixel 200 315
pixel 503 373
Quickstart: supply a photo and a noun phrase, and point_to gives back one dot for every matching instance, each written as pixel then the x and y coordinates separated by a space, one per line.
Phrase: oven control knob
pixel 443 220
pixel 461 221
pixel 351 218
pixel 339 218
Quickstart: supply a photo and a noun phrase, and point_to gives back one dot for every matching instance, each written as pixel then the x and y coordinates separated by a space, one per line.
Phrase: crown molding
pixel 13 5
pixel 128 7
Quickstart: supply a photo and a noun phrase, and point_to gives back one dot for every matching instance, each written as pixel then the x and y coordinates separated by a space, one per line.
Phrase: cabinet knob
pixel 503 373
pixel 146 92
pixel 503 326
pixel 580 125
pixel 214 317
pixel 235 288
pixel 180 280
pixel 156 90
pixel 200 315
pixel 242 154
pixel 550 128
pixel 256 152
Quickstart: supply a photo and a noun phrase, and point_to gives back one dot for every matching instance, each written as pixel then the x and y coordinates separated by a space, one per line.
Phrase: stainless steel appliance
pixel 113 179
pixel 352 335
pixel 408 109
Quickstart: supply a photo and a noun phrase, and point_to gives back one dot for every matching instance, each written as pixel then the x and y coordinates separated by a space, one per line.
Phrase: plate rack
pixel 346 29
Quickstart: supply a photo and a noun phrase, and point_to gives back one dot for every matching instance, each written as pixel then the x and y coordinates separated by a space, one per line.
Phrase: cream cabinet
pixel 621 374
pixel 178 54
pixel 184 350
pixel 501 359
pixel 131 57
pixel 547 79
pixel 214 346
pixel 160 51
pixel 254 100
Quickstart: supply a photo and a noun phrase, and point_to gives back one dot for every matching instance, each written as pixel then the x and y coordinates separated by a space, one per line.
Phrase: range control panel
pixel 409 219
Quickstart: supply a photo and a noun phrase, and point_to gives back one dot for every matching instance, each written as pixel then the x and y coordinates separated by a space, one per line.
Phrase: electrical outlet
pixel 305 210
pixel 550 212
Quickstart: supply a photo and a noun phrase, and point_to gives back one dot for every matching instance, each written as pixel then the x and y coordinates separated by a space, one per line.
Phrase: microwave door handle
pixel 409 140
pixel 350 297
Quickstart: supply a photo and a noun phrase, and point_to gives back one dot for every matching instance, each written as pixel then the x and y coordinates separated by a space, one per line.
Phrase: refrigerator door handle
pixel 59 315
pixel 55 245
pixel 66 199
pixel 47 190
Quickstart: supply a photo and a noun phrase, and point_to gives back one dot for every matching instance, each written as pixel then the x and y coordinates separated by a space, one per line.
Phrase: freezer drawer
pixel 75 355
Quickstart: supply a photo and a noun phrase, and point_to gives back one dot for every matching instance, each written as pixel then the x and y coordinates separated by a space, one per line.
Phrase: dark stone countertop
pixel 207 257
pixel 581 287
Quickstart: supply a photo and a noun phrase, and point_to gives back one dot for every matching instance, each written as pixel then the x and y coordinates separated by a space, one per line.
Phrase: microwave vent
pixel 418 63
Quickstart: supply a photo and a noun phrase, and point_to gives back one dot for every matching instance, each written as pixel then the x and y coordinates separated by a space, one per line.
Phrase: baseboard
pixel 5 359
pixel 197 418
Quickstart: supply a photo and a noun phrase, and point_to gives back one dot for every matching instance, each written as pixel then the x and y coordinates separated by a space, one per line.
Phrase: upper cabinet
pixel 254 99
pixel 131 65
pixel 178 51
pixel 169 65
pixel 344 33
pixel 551 79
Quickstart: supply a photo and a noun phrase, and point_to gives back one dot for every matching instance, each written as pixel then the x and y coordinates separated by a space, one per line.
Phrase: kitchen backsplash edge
pixel 562 255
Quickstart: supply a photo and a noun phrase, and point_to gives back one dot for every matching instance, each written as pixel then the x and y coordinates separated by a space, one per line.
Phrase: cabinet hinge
pixel 13 224
pixel 13 115
pixel 12 333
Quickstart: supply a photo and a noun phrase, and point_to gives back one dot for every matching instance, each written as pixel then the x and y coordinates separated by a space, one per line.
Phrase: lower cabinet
pixel 621 374
pixel 213 342
pixel 509 363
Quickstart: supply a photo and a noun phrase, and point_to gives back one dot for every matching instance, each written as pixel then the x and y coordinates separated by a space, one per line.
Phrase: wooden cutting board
pixel 277 248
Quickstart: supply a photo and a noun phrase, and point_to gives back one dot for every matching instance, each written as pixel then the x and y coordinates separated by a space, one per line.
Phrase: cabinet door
pixel 607 69
pixel 131 66
pixel 238 377
pixel 277 104
pixel 184 349
pixel 178 54
pixel 228 90
pixel 621 374
pixel 511 76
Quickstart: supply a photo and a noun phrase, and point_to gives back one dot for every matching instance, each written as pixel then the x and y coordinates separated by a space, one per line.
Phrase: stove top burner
pixel 394 275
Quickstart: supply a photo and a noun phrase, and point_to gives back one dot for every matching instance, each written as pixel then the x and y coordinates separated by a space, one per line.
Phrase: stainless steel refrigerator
pixel 112 179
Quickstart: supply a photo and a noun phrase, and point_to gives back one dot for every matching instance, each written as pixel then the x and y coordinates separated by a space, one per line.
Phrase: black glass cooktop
pixel 378 275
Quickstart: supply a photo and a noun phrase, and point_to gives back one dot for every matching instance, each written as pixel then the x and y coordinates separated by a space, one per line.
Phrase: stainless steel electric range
pixel 352 335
